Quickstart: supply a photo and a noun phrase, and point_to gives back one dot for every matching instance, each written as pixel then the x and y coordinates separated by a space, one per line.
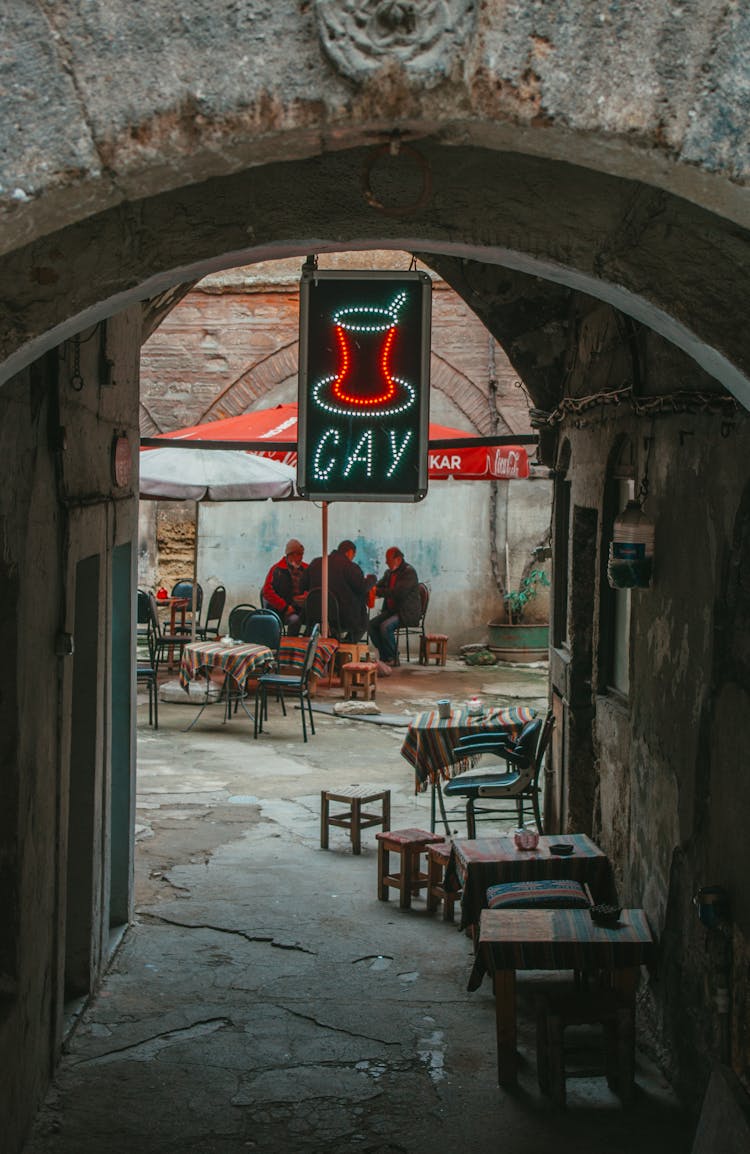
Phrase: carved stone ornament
pixel 360 36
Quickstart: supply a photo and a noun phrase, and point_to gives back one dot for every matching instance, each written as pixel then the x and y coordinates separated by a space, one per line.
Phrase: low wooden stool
pixel 348 651
pixel 409 844
pixel 437 859
pixel 355 819
pixel 433 645
pixel 360 677
pixel 607 1008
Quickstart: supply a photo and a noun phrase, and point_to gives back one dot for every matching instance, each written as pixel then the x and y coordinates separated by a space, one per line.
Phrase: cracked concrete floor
pixel 264 999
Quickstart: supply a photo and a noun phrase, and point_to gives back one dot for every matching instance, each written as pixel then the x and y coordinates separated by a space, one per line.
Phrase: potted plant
pixel 516 600
pixel 514 639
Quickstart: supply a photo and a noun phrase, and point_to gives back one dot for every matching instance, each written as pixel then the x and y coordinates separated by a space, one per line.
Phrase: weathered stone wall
pixel 658 773
pixel 558 137
pixel 59 507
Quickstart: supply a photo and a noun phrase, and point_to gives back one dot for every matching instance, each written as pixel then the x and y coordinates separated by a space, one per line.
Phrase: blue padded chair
pixel 236 616
pixel 281 683
pixel 263 627
pixel 487 792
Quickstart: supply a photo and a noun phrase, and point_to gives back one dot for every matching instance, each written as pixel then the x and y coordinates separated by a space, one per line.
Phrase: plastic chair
pixel 313 612
pixel 503 791
pixel 282 683
pixel 424 597
pixel 212 624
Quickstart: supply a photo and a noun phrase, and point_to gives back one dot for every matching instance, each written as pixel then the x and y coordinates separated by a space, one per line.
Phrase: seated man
pixel 401 604
pixel 282 587
pixel 348 584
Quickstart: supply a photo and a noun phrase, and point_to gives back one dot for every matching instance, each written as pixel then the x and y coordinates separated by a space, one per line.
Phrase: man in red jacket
pixel 281 588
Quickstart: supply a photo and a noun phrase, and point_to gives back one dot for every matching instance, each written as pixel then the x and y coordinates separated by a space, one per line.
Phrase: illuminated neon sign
pixel 363 385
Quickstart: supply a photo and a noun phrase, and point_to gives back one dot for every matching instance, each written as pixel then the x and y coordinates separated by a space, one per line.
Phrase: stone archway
pixel 668 263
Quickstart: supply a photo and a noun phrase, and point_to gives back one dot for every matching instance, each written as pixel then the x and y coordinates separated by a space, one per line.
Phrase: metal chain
pixel 76 380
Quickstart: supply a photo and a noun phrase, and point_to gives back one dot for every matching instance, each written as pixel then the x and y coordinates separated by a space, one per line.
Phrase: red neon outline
pixel 337 388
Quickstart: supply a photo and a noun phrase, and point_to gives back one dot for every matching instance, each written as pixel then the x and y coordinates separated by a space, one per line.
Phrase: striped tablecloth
pixel 477 863
pixel 563 940
pixel 292 654
pixel 236 661
pixel 430 739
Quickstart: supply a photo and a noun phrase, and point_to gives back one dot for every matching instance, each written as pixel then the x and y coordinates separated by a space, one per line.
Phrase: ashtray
pixel 562 848
pixel 605 915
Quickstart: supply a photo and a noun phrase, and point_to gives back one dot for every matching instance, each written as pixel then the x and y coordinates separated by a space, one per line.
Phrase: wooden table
pixel 292 652
pixel 511 940
pixel 235 662
pixel 431 739
pixel 475 864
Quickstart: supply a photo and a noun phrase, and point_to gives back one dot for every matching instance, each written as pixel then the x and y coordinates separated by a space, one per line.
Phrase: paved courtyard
pixel 265 999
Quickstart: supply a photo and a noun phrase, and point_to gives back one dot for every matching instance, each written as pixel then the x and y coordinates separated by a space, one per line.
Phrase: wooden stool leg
pixel 555 1042
pixel 542 1047
pixel 387 810
pixel 355 831
pixel 435 877
pixel 407 863
pixel 383 861
pixel 325 806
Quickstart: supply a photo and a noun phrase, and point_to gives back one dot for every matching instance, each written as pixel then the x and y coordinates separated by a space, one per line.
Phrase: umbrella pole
pixel 195 571
pixel 324 574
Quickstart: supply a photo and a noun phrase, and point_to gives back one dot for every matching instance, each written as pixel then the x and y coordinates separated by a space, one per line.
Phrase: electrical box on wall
pixel 364 385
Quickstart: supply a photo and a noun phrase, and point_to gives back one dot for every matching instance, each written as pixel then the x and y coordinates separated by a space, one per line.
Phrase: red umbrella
pixel 278 426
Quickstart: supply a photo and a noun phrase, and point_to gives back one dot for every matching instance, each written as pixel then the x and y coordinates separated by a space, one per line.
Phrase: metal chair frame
pixel 424 596
pixel 312 612
pixel 524 759
pixel 283 683
pixel 214 612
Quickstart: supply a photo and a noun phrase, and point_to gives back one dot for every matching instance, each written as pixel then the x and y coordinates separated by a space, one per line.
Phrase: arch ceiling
pixel 602 148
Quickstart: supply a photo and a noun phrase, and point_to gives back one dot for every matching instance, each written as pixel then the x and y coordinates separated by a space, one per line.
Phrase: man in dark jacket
pixel 402 605
pixel 282 587
pixel 348 584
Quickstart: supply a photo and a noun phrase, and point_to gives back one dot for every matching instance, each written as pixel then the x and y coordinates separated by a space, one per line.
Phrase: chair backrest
pixel 313 612
pixel 185 589
pixel 312 645
pixel 262 628
pixel 143 611
pixel 216 604
pixel 544 740
pixel 522 751
pixel 527 754
pixel 424 599
pixel 237 616
pixel 154 624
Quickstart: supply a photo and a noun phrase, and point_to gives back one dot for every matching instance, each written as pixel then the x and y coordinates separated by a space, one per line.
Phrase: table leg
pixel 355 829
pixel 504 982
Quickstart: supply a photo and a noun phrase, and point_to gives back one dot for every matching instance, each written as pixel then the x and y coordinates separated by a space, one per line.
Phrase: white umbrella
pixel 212 475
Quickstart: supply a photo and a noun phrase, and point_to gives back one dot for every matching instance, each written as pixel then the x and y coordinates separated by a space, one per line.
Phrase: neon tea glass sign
pixel 363 422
